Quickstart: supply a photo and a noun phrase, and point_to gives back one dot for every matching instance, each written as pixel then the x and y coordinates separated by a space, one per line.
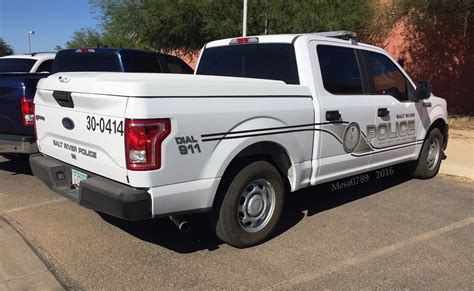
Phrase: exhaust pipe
pixel 180 223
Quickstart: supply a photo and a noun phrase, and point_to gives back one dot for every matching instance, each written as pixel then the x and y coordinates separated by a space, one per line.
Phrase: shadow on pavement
pixel 308 202
pixel 16 165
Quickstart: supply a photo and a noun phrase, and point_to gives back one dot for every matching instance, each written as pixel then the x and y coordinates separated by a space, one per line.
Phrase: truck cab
pixel 28 63
pixel 370 112
pixel 263 115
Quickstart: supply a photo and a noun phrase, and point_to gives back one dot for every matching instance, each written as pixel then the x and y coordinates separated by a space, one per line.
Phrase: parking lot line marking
pixel 35 205
pixel 307 277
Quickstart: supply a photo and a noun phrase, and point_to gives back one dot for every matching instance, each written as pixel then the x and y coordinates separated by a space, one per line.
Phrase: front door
pixel 397 129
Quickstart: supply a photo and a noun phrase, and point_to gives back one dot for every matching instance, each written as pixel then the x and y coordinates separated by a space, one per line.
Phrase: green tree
pixel 172 25
pixel 5 49
pixel 85 37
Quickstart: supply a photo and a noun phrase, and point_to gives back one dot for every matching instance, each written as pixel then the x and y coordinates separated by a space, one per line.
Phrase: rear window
pixel 141 63
pixel 86 62
pixel 262 61
pixel 16 65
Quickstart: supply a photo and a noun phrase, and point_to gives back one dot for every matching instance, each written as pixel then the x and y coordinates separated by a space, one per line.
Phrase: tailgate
pixel 86 130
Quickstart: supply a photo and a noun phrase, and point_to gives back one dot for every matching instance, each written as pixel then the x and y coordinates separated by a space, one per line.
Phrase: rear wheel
pixel 429 161
pixel 251 206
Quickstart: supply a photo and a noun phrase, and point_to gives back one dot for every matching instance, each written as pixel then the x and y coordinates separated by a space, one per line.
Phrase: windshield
pixel 86 62
pixel 11 65
pixel 262 61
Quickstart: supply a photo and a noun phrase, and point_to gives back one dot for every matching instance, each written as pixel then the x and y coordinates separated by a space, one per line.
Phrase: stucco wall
pixel 441 54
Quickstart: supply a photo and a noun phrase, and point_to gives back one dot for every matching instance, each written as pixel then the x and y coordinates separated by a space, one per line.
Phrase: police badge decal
pixel 351 137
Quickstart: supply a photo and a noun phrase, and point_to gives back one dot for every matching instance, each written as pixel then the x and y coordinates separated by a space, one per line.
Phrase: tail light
pixel 28 111
pixel 143 139
pixel 85 50
pixel 244 40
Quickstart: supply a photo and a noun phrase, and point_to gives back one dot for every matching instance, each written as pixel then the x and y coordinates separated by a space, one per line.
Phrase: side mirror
pixel 423 90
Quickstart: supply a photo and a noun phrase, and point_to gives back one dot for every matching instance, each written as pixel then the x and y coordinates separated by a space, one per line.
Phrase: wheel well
pixel 271 152
pixel 443 127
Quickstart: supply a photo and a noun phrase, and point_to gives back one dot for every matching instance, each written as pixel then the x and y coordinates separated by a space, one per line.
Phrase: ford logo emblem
pixel 68 123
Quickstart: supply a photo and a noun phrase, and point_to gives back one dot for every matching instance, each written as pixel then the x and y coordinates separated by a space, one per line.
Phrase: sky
pixel 53 22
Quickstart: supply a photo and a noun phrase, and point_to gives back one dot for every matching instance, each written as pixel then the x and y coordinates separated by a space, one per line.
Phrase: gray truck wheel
pixel 429 161
pixel 251 206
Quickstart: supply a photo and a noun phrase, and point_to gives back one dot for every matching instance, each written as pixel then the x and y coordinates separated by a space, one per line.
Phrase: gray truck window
pixel 86 62
pixel 262 61
pixel 45 66
pixel 141 63
pixel 16 65
pixel 340 70
pixel 177 66
pixel 385 77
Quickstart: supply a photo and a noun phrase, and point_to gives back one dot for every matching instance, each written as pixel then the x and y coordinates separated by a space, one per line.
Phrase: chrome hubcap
pixel 256 205
pixel 433 154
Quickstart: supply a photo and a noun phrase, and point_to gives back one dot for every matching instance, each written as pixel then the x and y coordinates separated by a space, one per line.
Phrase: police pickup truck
pixel 262 116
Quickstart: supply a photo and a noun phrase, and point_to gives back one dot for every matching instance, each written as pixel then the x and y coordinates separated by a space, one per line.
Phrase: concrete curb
pixel 23 267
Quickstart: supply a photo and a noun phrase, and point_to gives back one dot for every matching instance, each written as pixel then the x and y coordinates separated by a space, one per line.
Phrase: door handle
pixel 382 112
pixel 333 115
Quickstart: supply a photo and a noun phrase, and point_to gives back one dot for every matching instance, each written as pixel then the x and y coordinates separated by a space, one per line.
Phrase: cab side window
pixel 45 66
pixel 177 66
pixel 340 70
pixel 385 78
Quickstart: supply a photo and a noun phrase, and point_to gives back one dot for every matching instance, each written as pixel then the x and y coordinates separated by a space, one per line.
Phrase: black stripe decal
pixel 271 133
pixel 271 128
pixel 256 134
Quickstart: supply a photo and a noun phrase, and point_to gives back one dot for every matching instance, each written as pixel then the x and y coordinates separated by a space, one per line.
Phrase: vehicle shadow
pixel 307 202
pixel 16 166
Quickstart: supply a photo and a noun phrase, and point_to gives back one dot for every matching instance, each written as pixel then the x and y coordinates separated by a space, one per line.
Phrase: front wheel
pixel 429 161
pixel 251 206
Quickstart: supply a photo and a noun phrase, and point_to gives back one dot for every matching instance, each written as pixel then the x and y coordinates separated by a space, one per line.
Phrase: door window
pixel 385 77
pixel 340 70
pixel 177 66
pixel 45 66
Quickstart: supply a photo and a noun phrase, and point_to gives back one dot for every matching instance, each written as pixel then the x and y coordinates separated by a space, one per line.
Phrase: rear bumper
pixel 97 193
pixel 17 144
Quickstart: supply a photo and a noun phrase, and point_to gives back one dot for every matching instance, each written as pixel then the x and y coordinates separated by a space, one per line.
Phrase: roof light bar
pixel 341 34
pixel 244 40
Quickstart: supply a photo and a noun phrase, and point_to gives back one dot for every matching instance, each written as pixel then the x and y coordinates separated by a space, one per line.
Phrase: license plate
pixel 77 177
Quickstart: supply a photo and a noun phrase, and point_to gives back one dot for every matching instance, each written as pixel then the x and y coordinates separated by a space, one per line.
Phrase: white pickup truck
pixel 262 116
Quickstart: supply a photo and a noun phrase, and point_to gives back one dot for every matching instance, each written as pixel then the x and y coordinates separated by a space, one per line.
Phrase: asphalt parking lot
pixel 389 233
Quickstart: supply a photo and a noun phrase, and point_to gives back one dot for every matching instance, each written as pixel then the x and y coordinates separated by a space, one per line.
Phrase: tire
pixel 250 207
pixel 429 161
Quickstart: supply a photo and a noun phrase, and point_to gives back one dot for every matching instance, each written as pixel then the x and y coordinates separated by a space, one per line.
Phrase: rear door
pixel 346 109
pixel 84 130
